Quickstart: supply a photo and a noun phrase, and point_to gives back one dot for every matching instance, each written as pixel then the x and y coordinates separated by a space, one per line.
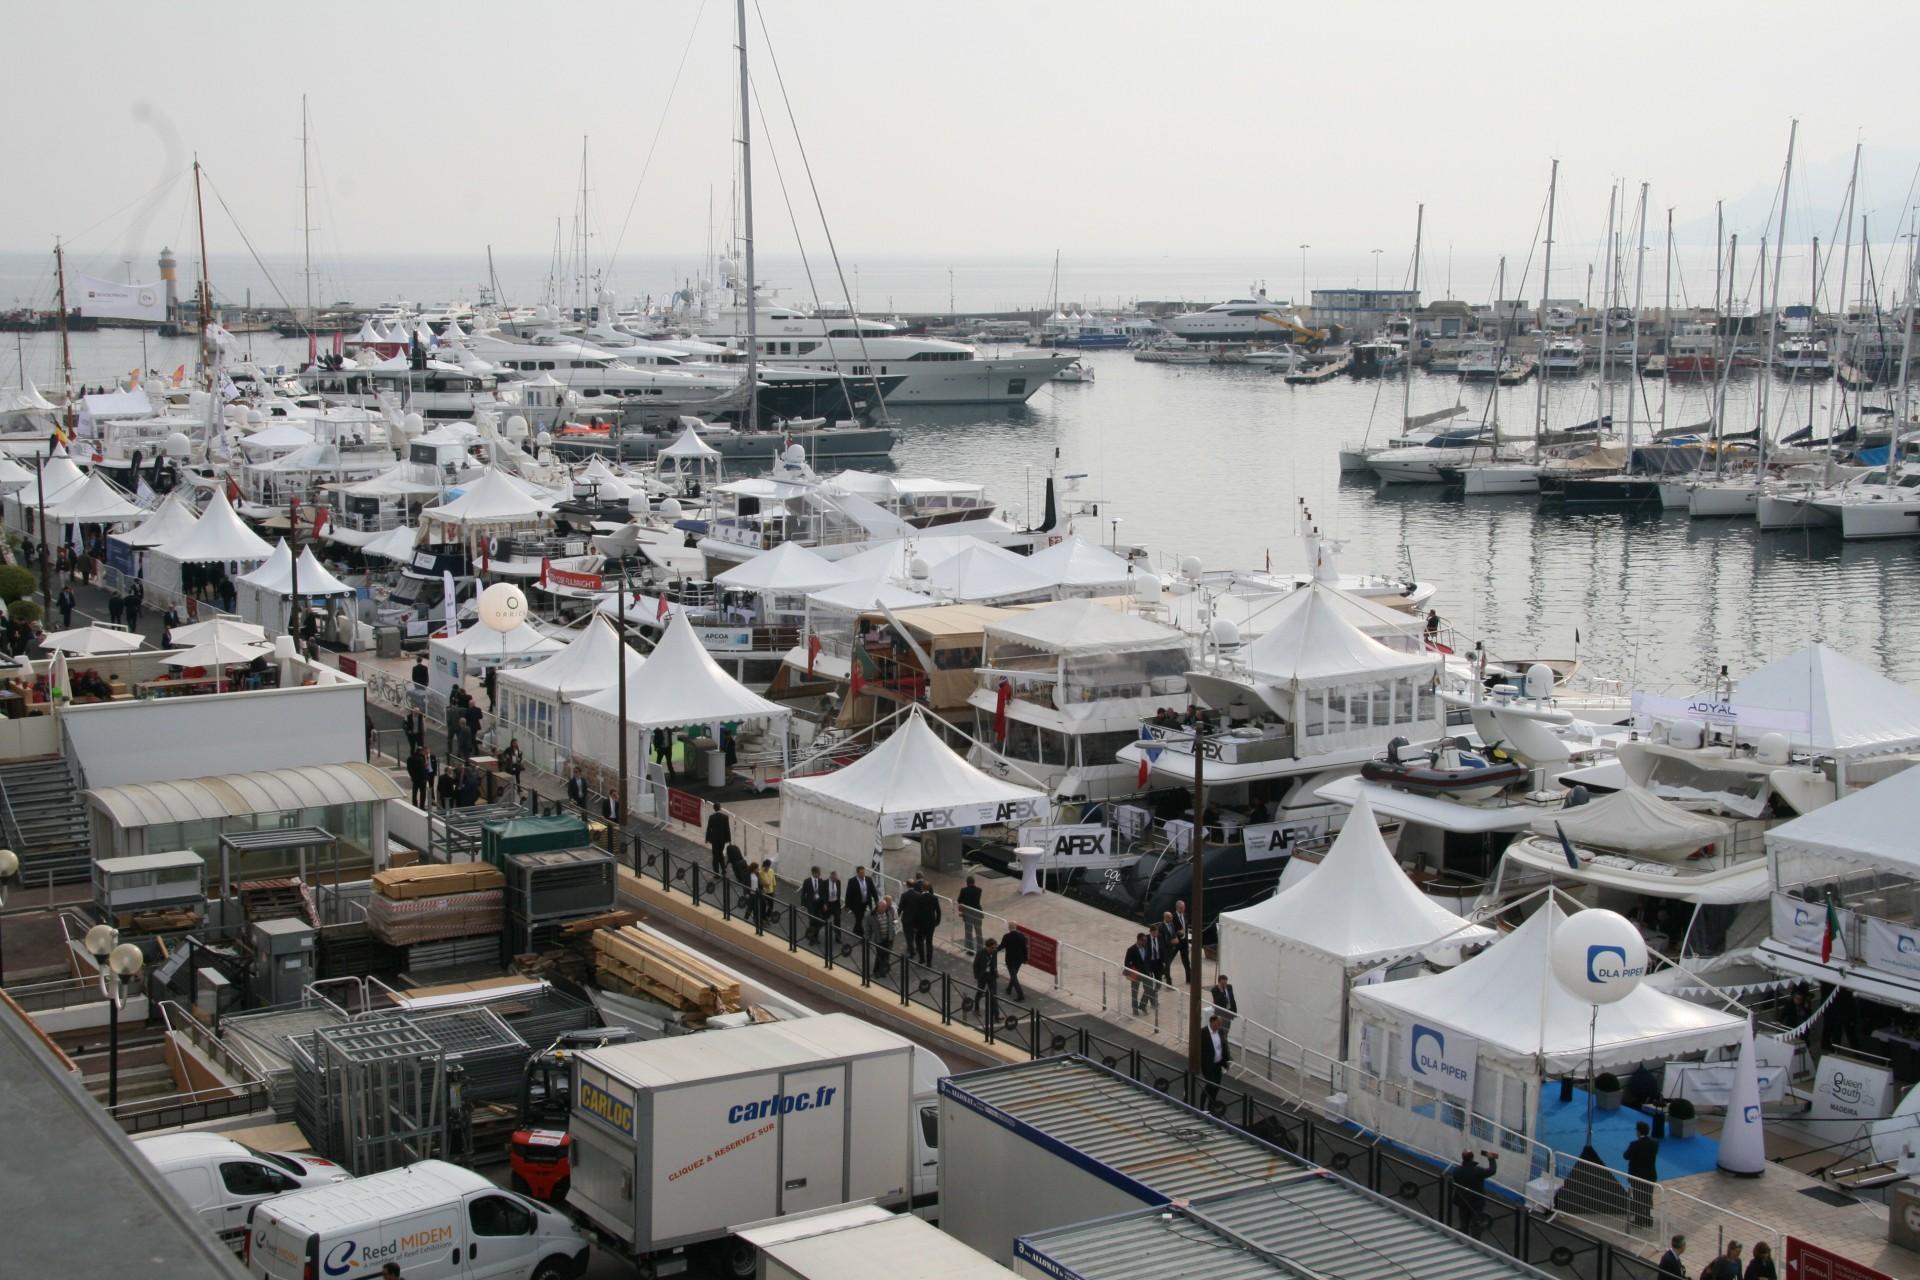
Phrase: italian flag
pixel 1833 931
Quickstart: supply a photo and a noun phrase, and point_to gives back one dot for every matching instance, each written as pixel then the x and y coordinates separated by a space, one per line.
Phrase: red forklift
pixel 540 1151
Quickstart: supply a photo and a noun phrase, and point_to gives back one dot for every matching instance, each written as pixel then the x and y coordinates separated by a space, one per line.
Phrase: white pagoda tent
pixel 1850 711
pixel 262 595
pixel 452 659
pixel 789 569
pixel 1294 957
pixel 986 574
pixel 540 698
pixel 1079 567
pixel 219 536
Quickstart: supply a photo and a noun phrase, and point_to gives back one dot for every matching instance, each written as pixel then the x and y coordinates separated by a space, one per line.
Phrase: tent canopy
pixel 914 782
pixel 867 594
pixel 1085 626
pixel 1633 820
pixel 219 534
pixel 1083 565
pixel 1310 644
pixel 1508 998
pixel 484 642
pixel 681 684
pixel 789 567
pixel 395 544
pixel 276 575
pixel 1873 825
pixel 95 501
pixel 92 640
pixel 116 404
pixel 172 519
pixel 1851 710
pixel 689 445
pixel 493 498
pixel 57 476
pixel 985 573
pixel 396 482
pixel 584 667
pixel 1358 906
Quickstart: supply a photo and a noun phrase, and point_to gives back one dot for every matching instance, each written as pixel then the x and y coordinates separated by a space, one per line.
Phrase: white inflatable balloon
pixel 1598 956
pixel 502 607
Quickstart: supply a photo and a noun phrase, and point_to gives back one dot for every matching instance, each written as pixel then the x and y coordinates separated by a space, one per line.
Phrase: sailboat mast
pixel 1606 306
pixel 1639 278
pixel 1406 383
pixel 1726 361
pixel 1906 356
pixel 306 238
pixel 66 352
pixel 1666 318
pixel 206 289
pixel 746 218
pixel 1773 322
pixel 1846 263
pixel 586 301
pixel 1546 287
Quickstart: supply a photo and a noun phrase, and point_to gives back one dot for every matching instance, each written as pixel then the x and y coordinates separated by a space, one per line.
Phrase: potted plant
pixel 1681 1119
pixel 1606 1091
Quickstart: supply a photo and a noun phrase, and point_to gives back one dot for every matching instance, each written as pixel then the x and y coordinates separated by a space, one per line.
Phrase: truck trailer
pixel 678 1141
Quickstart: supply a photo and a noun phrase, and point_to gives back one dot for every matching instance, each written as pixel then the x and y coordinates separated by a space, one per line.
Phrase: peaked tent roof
pixel 894 557
pixel 493 498
pixel 911 771
pixel 219 534
pixel 1874 824
pixel 1508 997
pixel 484 642
pixel 689 445
pixel 276 574
pixel 1087 626
pixel 396 481
pixel 58 474
pixel 173 518
pixel 985 573
pixel 24 399
pixel 395 544
pixel 1851 709
pixel 11 472
pixel 1633 820
pixel 96 501
pixel 866 594
pixel 284 434
pixel 583 668
pixel 788 567
pixel 1072 562
pixel 1358 905
pixel 1309 643
pixel 682 684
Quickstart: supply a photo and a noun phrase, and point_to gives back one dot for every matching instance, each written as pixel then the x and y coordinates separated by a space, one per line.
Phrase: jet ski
pixel 1448 770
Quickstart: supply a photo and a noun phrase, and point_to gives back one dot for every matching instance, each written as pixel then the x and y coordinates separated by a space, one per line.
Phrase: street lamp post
pixel 1376 271
pixel 121 962
pixel 9 868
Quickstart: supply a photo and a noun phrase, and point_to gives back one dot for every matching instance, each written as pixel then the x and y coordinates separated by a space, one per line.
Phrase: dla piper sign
pixel 1268 840
pixel 1439 1058
pixel 914 822
pixel 1084 845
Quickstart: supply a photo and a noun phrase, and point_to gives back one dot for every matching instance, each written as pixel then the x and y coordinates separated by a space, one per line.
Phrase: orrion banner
pixel 1439 1058
pixel 111 300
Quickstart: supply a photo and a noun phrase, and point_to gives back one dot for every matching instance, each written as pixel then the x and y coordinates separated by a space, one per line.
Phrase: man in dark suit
pixel 861 895
pixel 813 898
pixel 719 835
pixel 1225 1004
pixel 577 788
pixel 1643 1155
pixel 1013 953
pixel 1140 974
pixel 986 976
pixel 1157 953
pixel 1214 1056
pixel 836 901
pixel 1671 1263
pixel 1173 943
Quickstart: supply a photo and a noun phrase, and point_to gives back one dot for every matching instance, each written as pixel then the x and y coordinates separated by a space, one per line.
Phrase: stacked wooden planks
pixel 633 962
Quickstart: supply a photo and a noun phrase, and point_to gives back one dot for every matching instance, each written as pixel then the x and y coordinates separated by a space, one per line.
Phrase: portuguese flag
pixel 1833 931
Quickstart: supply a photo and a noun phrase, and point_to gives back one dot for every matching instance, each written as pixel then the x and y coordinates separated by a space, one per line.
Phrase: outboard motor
pixel 1394 747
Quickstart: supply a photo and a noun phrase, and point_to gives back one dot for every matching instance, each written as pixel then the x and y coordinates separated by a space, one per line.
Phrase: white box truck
pixel 678 1141
pixel 434 1220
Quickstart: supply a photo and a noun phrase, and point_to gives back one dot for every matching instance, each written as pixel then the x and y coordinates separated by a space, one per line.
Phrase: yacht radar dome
pixel 1190 566
pixel 1539 681
pixel 177 445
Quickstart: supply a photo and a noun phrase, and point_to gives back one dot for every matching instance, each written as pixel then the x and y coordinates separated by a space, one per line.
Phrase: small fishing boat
pixel 1448 770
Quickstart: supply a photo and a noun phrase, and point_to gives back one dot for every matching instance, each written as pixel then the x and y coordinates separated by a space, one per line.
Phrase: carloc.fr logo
pixel 1427 1054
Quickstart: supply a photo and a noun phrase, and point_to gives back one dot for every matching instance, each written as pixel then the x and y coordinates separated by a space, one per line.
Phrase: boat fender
pixel 1577 795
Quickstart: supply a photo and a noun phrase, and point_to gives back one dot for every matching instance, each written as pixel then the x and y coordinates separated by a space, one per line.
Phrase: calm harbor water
pixel 1212 462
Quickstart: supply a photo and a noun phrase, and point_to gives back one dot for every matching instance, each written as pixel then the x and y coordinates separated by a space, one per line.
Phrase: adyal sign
pixel 1268 840
pixel 1439 1058
pixel 1711 710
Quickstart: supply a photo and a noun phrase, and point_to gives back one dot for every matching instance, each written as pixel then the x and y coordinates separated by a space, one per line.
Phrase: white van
pixel 436 1220
pixel 221 1178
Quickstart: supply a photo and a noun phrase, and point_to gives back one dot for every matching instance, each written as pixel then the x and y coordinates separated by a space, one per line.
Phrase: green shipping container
pixel 498 840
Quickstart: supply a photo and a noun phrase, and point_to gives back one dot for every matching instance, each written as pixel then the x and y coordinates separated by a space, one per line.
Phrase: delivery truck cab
pixel 676 1141
pixel 436 1220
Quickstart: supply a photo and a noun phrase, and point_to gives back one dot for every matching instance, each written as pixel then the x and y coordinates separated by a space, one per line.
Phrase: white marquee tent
pixel 680 686
pixel 219 536
pixel 986 574
pixel 453 658
pixel 909 784
pixel 1505 1008
pixel 170 520
pixel 788 569
pixel 1851 712
pixel 1873 827
pixel 262 595
pixel 95 501
pixel 540 698
pixel 1082 568
pixel 493 501
pixel 58 476
pixel 1294 957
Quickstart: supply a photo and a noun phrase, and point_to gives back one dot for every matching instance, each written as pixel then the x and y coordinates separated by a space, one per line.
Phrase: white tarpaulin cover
pixel 789 567
pixel 1309 643
pixel 1082 566
pixel 219 534
pixel 1875 825
pixel 1290 956
pixel 395 544
pixel 1853 711
pixel 1084 626
pixel 1508 998
pixel 115 404
pixel 1633 820
pixel 912 782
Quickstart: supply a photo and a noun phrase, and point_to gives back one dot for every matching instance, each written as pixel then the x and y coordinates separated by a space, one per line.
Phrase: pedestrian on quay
pixel 1761 1266
pixel 1643 1155
pixel 880 926
pixel 986 976
pixel 1671 1263
pixel 1140 976
pixel 861 893
pixel 446 786
pixel 417 776
pixel 114 607
pixel 1013 953
pixel 1214 1057
pixel 136 600
pixel 512 762
pixel 919 917
pixel 813 898
pixel 1726 1266
pixel 64 602
pixel 769 888
pixel 970 914
pixel 719 836
pixel 1469 1190
pixel 1173 944
pixel 737 865
pixel 1225 1005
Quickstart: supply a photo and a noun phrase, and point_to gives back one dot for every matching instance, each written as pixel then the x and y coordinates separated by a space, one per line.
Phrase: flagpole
pixel 620 679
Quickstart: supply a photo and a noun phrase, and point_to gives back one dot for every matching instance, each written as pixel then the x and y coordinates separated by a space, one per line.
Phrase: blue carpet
pixel 1564 1128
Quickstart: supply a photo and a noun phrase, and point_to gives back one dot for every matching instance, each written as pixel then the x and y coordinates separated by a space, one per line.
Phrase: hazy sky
pixel 970 130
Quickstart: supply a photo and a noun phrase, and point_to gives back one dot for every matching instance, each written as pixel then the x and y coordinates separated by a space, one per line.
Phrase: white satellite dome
pixel 177 445
pixel 254 417
pixel 670 509
pixel 1225 634
pixel 1190 566
pixel 917 569
pixel 414 423
pixel 794 453
pixel 1146 586
pixel 1539 681
pixel 516 428
pixel 544 439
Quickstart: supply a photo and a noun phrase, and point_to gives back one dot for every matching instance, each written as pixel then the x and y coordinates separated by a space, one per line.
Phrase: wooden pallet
pixel 661 971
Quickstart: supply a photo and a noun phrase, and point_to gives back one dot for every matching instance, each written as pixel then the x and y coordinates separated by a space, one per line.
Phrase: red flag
pixel 1001 698
pixel 484 547
pixel 179 373
pixel 543 571
pixel 857 683
pixel 1832 932
pixel 661 613
pixel 1145 768
pixel 320 515
pixel 813 651
pixel 233 489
